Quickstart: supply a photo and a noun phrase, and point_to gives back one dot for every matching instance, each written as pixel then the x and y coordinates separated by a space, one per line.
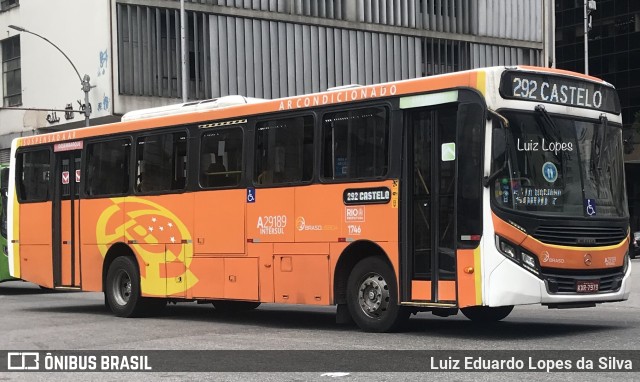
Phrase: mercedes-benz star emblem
pixel 587 259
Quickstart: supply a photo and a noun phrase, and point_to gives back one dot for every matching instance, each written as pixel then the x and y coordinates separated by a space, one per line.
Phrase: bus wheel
pixel 123 288
pixel 487 313
pixel 225 306
pixel 372 297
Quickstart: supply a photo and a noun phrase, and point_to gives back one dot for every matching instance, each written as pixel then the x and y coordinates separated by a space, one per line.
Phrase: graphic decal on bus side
pixel 151 227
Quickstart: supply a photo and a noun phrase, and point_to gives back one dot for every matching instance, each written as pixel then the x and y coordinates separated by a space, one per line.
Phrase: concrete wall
pixel 81 29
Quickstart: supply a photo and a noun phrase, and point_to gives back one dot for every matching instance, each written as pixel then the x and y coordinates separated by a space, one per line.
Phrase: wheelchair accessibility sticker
pixel 251 195
pixel 590 207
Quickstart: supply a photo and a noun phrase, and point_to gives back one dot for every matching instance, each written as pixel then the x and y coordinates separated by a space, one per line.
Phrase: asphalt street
pixel 33 319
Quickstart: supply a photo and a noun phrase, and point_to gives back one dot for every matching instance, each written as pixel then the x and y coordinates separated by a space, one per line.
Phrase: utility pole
pixel 183 52
pixel 84 81
pixel 589 6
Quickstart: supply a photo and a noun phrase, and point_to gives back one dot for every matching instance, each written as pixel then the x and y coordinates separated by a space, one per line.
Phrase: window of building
pixel 33 174
pixel 221 158
pixel 284 151
pixel 107 170
pixel 11 73
pixel 355 144
pixel 161 162
pixel 149 52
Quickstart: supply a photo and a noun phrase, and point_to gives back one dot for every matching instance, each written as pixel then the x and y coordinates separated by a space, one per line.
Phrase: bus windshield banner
pixel 560 90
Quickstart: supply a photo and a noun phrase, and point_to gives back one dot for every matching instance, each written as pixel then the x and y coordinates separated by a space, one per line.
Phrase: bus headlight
pixel 529 262
pixel 506 248
pixel 517 255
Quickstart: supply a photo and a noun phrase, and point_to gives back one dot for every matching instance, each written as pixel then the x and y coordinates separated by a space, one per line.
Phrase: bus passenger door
pixel 66 215
pixel 431 175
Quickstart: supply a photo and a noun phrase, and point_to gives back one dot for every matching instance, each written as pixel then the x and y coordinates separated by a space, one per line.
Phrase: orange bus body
pixel 213 248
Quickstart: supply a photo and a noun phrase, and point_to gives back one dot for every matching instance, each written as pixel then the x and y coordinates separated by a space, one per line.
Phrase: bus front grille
pixel 580 236
pixel 565 280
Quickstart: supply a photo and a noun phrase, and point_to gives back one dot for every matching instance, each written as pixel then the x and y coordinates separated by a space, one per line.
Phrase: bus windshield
pixel 559 166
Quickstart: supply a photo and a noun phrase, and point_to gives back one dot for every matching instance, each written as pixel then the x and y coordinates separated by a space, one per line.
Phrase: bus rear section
pixel 4 250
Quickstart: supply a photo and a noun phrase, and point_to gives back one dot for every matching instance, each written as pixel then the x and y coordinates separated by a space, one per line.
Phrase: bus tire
pixel 372 297
pixel 123 288
pixel 226 306
pixel 487 313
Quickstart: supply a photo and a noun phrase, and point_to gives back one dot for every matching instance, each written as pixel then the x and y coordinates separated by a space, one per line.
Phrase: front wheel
pixel 372 297
pixel 487 313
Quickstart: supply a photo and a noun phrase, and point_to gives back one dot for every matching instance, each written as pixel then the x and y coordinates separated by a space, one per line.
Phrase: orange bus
pixel 473 192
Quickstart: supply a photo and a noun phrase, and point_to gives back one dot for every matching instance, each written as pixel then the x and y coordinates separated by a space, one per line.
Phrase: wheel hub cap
pixel 122 288
pixel 373 296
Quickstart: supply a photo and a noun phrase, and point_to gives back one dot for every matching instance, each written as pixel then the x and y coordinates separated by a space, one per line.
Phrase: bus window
pixel 33 175
pixel 161 162
pixel 108 167
pixel 221 158
pixel 4 188
pixel 355 144
pixel 284 151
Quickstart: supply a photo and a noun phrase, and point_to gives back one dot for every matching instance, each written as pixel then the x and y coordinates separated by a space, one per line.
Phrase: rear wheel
pixel 372 296
pixel 122 291
pixel 487 313
pixel 225 306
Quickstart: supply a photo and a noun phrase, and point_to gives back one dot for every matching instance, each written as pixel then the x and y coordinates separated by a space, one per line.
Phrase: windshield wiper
pixel 597 146
pixel 548 123
pixel 602 139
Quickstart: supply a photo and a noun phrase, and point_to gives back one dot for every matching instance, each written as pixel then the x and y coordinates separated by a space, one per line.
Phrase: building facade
pixel 131 49
pixel 614 55
pixel 614 46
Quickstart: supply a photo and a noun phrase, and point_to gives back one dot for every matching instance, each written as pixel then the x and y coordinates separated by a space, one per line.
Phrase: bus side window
pixel 221 158
pixel 33 175
pixel 4 186
pixel 108 167
pixel 355 144
pixel 161 162
pixel 284 151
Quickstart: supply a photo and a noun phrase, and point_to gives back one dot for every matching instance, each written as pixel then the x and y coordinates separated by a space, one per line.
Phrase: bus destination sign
pixel 370 195
pixel 560 90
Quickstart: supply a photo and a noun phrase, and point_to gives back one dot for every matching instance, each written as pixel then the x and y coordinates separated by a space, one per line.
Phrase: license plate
pixel 587 286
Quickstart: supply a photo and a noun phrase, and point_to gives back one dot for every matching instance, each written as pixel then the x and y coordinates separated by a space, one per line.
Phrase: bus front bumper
pixel 509 284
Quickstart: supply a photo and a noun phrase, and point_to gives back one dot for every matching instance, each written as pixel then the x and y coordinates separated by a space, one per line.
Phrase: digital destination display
pixel 373 195
pixel 560 90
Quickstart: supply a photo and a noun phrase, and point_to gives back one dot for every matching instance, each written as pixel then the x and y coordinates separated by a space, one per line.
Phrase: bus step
pixel 429 304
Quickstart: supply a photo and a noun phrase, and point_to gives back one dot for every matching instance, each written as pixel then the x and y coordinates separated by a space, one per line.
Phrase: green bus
pixel 4 252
